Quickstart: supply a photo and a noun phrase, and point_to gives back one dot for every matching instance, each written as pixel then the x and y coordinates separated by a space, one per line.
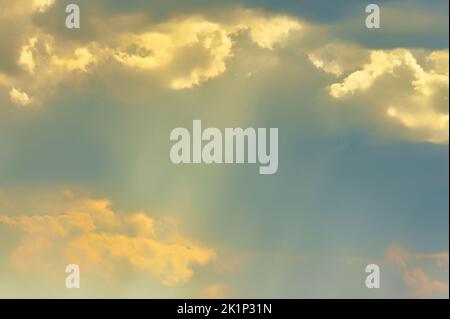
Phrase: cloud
pixel 388 62
pixel 164 49
pixel 268 32
pixel 180 53
pixel 416 278
pixel 216 291
pixel 411 94
pixel 81 60
pixel 26 55
pixel 336 58
pixel 42 5
pixel 18 97
pixel 86 231
pixel 405 91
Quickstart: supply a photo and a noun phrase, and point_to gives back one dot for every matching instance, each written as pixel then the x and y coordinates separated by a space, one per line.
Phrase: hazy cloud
pixel 416 278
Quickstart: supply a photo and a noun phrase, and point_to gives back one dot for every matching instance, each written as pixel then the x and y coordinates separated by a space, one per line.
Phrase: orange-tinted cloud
pixel 87 232
pixel 416 278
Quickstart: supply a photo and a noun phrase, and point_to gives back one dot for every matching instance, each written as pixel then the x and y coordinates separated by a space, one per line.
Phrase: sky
pixel 86 178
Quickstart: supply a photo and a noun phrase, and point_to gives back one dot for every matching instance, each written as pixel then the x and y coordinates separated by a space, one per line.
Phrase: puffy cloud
pixel 171 42
pixel 416 278
pixel 181 52
pixel 85 231
pixel 268 31
pixel 414 95
pixel 80 61
pixel 18 97
pixel 434 125
pixel 171 261
pixel 387 62
pixel 336 58
pixel 197 48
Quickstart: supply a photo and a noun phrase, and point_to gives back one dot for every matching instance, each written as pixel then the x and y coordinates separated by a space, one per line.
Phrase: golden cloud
pixel 413 94
pixel 403 89
pixel 42 5
pixel 182 52
pixel 18 97
pixel 216 291
pixel 85 231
